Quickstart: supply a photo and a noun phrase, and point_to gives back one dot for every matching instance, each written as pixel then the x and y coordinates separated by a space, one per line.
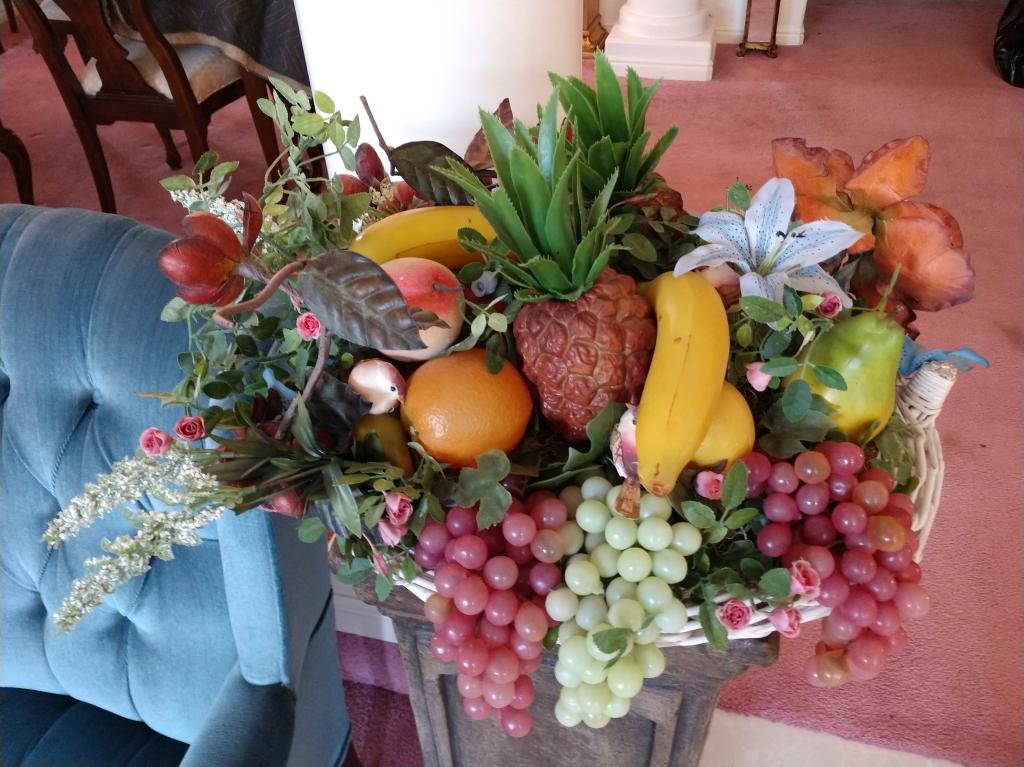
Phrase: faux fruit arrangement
pixel 528 379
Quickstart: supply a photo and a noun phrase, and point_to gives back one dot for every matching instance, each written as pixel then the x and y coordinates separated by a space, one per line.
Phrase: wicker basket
pixel 919 401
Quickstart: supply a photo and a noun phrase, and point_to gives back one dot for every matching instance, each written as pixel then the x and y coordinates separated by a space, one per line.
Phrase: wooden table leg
pixel 14 150
pixel 666 726
pixel 255 88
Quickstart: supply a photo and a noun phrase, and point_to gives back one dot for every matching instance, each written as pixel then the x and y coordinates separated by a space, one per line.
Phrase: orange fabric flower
pixel 923 240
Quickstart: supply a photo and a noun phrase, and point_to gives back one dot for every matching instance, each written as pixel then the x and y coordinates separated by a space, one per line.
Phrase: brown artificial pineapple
pixel 585 335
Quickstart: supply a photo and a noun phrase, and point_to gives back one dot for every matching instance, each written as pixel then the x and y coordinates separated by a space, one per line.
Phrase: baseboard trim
pixel 354 616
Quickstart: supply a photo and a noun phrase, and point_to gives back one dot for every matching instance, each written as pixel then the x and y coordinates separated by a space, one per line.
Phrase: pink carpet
pixel 869 71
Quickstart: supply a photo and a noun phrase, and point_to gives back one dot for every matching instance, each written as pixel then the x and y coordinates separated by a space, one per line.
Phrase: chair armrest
pixel 248 726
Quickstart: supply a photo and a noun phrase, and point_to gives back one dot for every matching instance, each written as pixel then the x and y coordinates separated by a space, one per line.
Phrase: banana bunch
pixel 684 386
pixel 430 232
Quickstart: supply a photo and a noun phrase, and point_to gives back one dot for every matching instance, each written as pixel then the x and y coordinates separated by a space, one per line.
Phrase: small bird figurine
pixel 379 383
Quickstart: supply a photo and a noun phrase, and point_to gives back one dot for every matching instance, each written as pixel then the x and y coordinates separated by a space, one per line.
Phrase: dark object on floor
pixel 11 21
pixel 14 150
pixel 230 647
pixel 1009 45
pixel 173 88
pixel 666 726
pixel 769 47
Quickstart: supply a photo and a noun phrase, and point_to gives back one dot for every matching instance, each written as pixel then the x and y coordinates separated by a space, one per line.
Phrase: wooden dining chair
pixel 150 81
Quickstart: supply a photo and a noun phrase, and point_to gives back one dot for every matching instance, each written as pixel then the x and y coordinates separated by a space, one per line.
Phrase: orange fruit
pixel 458 409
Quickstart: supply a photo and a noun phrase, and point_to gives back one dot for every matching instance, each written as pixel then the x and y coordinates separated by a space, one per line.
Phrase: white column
pixel 674 39
pixel 425 67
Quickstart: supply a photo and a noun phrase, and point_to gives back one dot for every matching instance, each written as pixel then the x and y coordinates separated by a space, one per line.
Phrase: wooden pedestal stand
pixel 666 726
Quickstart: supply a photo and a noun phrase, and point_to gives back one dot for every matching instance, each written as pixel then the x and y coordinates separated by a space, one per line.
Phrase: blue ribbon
pixel 914 356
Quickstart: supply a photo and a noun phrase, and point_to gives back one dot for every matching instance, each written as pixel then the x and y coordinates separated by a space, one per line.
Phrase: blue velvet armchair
pixel 224 657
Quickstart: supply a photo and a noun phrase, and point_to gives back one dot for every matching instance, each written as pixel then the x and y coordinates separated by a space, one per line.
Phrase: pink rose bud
pixel 399 507
pixel 380 564
pixel 390 533
pixel 804 579
pixel 734 614
pixel 786 621
pixel 831 304
pixel 758 380
pixel 154 441
pixel 190 427
pixel 709 485
pixel 309 326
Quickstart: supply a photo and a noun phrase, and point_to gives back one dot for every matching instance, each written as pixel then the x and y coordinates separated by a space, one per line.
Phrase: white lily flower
pixel 769 257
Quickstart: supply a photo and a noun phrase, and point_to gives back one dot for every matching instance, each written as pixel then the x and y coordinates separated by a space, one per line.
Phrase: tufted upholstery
pixel 233 636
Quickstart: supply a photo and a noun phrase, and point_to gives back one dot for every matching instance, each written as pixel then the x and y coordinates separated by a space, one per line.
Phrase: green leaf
pixel 776 343
pixel 358 301
pixel 654 156
pixel 323 102
pixel 734 488
pixel 717 636
pixel 217 390
pixel 302 429
pixel 550 638
pixel 177 183
pixel 791 301
pixel 741 517
pixel 739 591
pixel 779 366
pixel 717 533
pixel 311 529
pixel 408 569
pixel 547 138
pixel 353 572
pixel 612 641
pixel 205 162
pixel 738 196
pixel 762 310
pixel 775 583
pixel 724 575
pixel 599 431
pixel 610 106
pixel 796 400
pixel 698 514
pixel 482 485
pixel 382 587
pixel 342 500
pixel 829 377
pixel 640 247
pixel 751 569
pixel 584 115
pixel 247 345
pixel 175 310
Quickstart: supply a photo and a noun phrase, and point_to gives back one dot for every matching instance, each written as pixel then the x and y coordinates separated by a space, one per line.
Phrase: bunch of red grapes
pixel 488 612
pixel 825 508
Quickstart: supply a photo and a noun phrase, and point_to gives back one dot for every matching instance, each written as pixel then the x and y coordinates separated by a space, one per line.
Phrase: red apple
pixel 416 279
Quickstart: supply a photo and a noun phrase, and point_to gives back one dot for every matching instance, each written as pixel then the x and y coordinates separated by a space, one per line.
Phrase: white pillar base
pixel 686 59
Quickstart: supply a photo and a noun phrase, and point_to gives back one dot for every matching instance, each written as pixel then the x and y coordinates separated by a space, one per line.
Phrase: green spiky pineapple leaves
pixel 539 209
pixel 609 130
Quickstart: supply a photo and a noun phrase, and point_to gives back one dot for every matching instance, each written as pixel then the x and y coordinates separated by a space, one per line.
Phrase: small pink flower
pixel 786 621
pixel 380 564
pixel 758 380
pixel 709 485
pixel 390 533
pixel 154 441
pixel 399 507
pixel 190 427
pixel 804 579
pixel 309 326
pixel 831 304
pixel 734 614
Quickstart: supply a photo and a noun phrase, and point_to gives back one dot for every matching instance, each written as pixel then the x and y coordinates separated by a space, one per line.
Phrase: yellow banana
pixel 685 379
pixel 431 233
pixel 731 433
